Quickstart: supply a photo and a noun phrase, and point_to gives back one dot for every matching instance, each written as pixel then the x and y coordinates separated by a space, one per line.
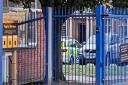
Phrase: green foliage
pixel 87 3
pixel 120 3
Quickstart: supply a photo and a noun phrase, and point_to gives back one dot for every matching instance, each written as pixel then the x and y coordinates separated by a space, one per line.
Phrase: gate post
pixel 49 45
pixel 99 44
pixel 1 30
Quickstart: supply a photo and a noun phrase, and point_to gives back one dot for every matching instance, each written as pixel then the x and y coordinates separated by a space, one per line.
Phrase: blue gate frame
pixel 1 32
pixel 102 13
pixel 99 44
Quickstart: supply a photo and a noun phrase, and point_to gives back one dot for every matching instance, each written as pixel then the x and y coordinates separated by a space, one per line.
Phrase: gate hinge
pixel 97 29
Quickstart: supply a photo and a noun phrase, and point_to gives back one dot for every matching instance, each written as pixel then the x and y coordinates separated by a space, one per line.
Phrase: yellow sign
pixel 10 34
pixel 10 41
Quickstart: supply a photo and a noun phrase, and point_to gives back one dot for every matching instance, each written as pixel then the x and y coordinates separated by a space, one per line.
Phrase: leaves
pixel 120 3
pixel 86 3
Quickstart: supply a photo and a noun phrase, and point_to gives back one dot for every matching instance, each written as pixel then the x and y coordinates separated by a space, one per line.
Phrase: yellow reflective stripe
pixel 68 53
pixel 75 53
pixel 62 44
pixel 66 43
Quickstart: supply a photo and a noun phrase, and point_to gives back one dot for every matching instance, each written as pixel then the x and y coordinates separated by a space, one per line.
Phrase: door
pixel 7 67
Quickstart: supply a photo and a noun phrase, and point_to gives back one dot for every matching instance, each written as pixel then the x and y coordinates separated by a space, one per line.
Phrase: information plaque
pixel 124 52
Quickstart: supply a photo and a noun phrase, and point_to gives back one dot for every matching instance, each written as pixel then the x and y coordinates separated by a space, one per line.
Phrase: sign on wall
pixel 10 34
pixel 124 52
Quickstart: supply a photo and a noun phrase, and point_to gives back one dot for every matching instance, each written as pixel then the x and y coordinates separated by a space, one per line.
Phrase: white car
pixel 87 53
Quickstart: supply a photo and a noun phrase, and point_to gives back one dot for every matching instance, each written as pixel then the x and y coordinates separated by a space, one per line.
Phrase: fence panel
pixel 24 46
pixel 115 66
pixel 75 46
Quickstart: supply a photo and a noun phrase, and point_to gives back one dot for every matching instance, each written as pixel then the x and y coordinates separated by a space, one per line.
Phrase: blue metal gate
pixel 87 48
pixel 112 30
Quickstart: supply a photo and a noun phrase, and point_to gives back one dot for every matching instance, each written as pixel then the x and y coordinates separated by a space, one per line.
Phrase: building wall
pixel 72 26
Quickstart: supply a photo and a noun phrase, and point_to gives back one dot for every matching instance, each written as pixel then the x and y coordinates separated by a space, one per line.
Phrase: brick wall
pixel 31 61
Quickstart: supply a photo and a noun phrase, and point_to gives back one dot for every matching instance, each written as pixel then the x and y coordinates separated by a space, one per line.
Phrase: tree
pixel 83 3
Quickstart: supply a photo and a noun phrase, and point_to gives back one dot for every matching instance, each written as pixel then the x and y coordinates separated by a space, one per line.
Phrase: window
pixel 5 6
pixel 27 32
pixel 32 26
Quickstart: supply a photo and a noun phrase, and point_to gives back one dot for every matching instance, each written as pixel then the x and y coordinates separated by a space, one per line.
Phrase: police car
pixel 72 47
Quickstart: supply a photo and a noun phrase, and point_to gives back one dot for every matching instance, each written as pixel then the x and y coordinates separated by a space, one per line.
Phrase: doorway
pixel 7 68
pixel 81 32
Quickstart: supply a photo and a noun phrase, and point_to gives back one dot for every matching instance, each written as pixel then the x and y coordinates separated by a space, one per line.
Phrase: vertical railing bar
pixel 93 54
pixel 80 29
pixel 61 26
pixel 22 58
pixel 106 67
pixel 125 74
pixel 17 56
pixel 25 51
pixel 64 43
pixel 74 66
pixel 110 51
pixel 88 54
pixel 120 24
pixel 31 54
pixel 84 50
pixel 34 42
pixel 58 38
pixel 107 38
pixel 83 22
pixel 23 54
pixel 29 62
pixel 118 71
pixel 116 52
pixel 55 13
pixel 39 40
pixel 44 44
pixel 72 42
pixel 121 43
pixel 37 49
pixel 104 59
pixel 53 44
pixel 71 67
